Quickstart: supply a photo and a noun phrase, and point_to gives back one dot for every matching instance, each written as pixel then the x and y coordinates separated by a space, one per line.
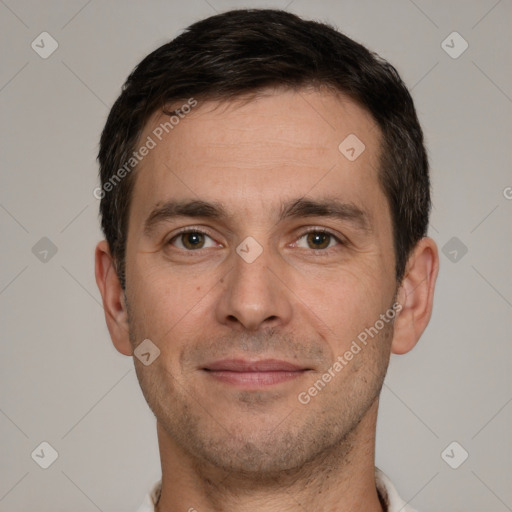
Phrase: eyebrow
pixel 294 209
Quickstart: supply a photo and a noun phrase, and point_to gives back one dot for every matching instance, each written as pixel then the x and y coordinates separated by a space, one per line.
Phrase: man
pixel 265 200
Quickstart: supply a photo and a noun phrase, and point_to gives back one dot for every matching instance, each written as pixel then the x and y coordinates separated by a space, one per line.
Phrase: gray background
pixel 61 379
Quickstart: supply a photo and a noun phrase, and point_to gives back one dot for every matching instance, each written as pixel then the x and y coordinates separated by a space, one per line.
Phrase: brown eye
pixel 318 240
pixel 192 240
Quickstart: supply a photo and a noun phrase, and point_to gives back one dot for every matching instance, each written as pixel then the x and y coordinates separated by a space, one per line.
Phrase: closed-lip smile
pixel 253 373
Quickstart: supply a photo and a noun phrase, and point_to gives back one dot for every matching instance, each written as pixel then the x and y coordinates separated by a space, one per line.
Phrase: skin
pixel 229 447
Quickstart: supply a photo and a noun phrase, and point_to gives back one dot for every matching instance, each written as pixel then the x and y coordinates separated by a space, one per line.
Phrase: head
pixel 265 195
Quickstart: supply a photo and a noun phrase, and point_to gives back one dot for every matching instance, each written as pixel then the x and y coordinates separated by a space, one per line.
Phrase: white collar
pixel 384 485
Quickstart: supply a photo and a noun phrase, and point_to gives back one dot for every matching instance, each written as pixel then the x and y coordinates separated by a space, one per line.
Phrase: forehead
pixel 255 154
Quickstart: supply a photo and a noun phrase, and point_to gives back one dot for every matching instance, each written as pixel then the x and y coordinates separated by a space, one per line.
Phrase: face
pixel 257 253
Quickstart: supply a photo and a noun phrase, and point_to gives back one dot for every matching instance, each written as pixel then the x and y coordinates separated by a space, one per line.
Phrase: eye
pixel 191 240
pixel 317 239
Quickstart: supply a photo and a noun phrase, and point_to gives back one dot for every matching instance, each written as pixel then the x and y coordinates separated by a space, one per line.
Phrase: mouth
pixel 253 374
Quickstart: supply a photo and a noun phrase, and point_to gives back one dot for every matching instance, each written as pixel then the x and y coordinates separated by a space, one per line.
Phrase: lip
pixel 254 374
pixel 243 365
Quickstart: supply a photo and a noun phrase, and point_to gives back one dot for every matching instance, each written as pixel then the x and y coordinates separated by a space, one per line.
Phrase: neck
pixel 341 478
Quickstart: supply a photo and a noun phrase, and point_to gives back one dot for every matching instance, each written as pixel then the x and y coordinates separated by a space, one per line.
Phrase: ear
pixel 415 295
pixel 116 314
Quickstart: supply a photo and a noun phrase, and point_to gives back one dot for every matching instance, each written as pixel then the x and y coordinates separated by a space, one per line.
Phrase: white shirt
pixel 384 485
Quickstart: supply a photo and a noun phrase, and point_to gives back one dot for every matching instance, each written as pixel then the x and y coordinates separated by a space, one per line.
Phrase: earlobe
pixel 416 294
pixel 116 314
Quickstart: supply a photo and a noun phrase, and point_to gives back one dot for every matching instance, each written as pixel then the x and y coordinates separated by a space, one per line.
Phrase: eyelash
pixel 304 233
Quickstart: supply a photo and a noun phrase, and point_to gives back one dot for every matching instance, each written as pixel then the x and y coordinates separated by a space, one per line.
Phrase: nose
pixel 255 295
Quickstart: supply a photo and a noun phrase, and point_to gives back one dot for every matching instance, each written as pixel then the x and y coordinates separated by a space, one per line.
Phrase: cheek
pixel 347 301
pixel 165 301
